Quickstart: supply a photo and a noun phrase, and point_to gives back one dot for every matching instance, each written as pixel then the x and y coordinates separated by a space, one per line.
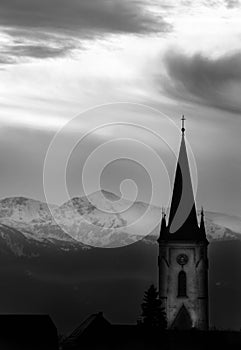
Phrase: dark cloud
pixel 232 3
pixel 5 59
pixel 11 54
pixel 40 51
pixel 207 81
pixel 80 19
pixel 90 17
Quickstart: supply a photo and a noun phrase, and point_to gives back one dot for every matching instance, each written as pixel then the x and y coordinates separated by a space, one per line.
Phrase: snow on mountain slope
pixel 23 209
pixel 103 220
pixel 13 241
pixel 85 223
pixel 31 217
pixel 230 222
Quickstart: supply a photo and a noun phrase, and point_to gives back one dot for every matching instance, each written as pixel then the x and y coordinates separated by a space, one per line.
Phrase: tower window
pixel 182 284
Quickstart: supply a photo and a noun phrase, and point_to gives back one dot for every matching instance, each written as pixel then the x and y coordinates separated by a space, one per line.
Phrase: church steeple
pixel 182 223
pixel 183 254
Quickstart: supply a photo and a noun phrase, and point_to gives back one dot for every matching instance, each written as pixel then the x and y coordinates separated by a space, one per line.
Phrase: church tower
pixel 183 259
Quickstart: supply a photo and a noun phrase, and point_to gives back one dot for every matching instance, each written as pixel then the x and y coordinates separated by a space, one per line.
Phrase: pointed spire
pixel 202 228
pixel 163 229
pixel 183 222
pixel 202 224
pixel 163 222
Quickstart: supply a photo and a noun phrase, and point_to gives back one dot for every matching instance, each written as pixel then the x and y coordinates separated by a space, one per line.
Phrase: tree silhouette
pixel 153 314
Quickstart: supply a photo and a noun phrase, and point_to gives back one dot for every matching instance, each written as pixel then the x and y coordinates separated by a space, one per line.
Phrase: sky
pixel 92 86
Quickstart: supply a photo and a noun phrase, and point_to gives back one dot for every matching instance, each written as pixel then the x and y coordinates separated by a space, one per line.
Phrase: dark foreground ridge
pixel 98 333
pixel 38 332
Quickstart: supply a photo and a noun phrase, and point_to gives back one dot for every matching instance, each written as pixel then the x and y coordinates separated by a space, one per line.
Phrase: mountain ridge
pixel 79 221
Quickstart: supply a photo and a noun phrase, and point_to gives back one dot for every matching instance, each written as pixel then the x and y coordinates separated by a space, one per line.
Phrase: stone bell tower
pixel 183 259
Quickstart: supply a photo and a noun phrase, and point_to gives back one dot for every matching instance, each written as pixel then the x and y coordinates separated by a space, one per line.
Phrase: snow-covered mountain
pixel 222 226
pixel 32 218
pixel 101 220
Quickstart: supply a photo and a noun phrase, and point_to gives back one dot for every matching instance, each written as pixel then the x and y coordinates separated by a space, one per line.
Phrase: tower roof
pixel 182 223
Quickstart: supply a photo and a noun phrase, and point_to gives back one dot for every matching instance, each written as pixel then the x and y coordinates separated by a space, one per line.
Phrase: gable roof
pixel 95 322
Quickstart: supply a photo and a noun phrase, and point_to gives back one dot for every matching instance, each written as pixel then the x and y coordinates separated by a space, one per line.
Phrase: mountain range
pixel 99 220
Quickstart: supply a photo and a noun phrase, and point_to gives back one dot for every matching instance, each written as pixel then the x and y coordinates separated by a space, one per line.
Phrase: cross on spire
pixel 183 125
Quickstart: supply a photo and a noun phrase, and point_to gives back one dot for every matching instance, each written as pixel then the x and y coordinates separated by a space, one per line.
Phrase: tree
pixel 153 314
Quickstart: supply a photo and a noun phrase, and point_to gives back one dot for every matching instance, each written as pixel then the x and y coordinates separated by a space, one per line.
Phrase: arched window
pixel 182 284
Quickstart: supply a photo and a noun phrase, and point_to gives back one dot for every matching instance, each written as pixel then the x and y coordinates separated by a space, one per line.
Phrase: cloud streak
pixel 202 80
pixel 73 19
pixel 12 53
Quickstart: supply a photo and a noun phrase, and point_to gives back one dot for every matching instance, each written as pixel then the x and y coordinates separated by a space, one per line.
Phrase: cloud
pixel 12 54
pixel 90 17
pixel 74 19
pixel 215 3
pixel 230 4
pixel 208 81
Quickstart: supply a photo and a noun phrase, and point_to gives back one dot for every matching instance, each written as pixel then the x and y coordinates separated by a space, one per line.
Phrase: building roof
pixel 30 331
pixel 95 323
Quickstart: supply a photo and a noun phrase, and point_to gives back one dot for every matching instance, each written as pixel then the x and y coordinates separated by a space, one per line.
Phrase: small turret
pixel 202 224
pixel 163 230
pixel 202 228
